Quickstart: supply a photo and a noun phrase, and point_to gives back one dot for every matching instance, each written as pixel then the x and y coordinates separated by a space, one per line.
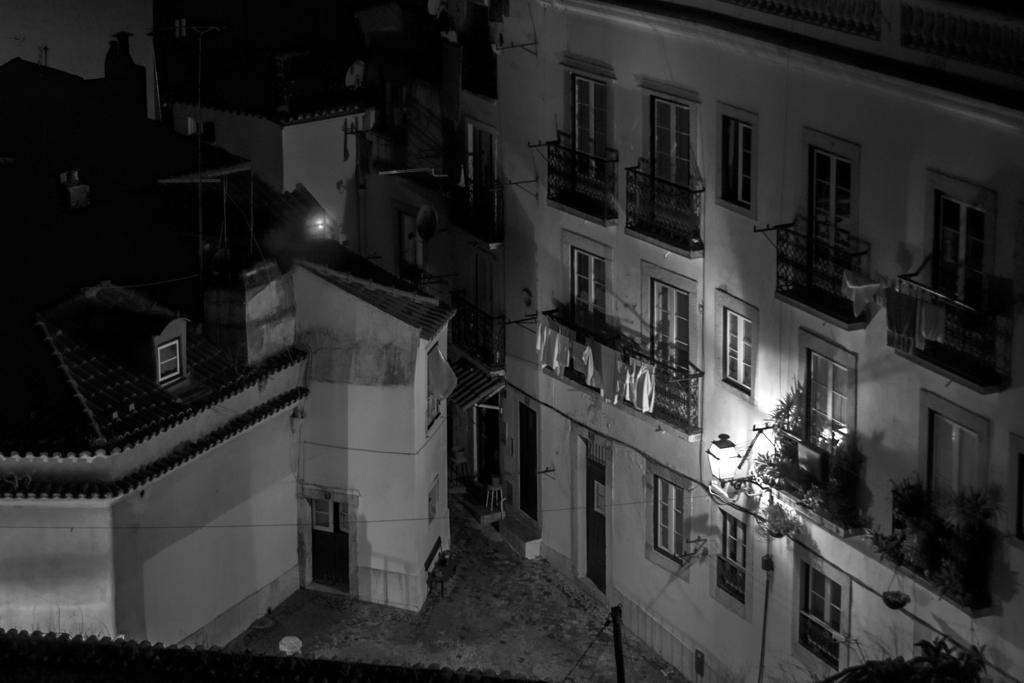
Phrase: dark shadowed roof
pixel 424 313
pixel 53 657
pixel 120 402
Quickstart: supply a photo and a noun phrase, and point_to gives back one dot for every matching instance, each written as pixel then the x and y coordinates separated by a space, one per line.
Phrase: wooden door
pixel 528 460
pixel 595 519
pixel 330 543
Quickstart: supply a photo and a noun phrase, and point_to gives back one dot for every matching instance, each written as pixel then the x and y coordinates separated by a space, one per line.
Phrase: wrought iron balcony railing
pixel 582 181
pixel 389 150
pixel 480 210
pixel 819 639
pixel 664 210
pixel 677 388
pixel 478 333
pixel 732 578
pixel 857 17
pixel 953 32
pixel 974 340
pixel 810 270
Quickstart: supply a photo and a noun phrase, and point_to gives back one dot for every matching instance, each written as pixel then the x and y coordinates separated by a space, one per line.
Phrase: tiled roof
pixel 121 405
pixel 37 656
pixel 424 313
pixel 35 487
pixel 472 384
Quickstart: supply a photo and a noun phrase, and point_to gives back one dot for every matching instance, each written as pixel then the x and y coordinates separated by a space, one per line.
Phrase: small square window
pixel 322 514
pixel 168 360
pixel 738 353
pixel 599 497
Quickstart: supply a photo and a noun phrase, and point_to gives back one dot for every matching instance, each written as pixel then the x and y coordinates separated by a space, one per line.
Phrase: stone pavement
pixel 499 613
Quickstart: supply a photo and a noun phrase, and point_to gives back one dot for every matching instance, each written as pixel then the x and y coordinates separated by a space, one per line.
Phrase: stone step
pixel 522 534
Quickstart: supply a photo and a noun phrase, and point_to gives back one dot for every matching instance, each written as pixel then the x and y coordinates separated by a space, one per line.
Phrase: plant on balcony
pixel 837 498
pixel 939 662
pixel 777 521
pixel 948 542
pixel 788 414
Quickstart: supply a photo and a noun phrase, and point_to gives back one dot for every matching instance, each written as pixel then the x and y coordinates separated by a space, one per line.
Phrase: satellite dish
pixel 426 222
pixel 354 75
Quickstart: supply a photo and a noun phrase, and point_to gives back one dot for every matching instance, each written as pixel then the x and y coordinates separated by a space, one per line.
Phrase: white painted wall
pixel 902 130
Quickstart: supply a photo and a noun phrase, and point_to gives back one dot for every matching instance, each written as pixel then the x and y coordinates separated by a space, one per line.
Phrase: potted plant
pixel 895 599
pixel 778 521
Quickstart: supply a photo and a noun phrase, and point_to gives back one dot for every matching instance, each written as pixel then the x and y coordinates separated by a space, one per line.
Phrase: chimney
pixel 125 80
pixel 254 317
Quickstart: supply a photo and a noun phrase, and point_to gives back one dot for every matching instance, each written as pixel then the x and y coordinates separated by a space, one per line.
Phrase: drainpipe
pixel 769 568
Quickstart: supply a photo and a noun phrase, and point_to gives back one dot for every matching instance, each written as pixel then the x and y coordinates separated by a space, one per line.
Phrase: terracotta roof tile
pixel 424 313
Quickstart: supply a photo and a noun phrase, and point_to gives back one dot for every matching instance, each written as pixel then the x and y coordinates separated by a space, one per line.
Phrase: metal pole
pixel 769 568
pixel 620 666
pixel 199 149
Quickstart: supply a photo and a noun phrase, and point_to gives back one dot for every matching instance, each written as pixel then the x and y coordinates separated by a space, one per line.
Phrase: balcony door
pixel 831 200
pixel 589 117
pixel 330 543
pixel 959 269
pixel 670 329
pixel 670 141
pixel 481 165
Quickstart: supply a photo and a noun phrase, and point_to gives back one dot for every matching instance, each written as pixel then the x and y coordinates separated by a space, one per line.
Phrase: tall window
pixel 952 454
pixel 732 561
pixel 670 141
pixel 670 334
pixel 820 615
pixel 168 361
pixel 959 248
pixel 738 352
pixel 831 202
pixel 669 537
pixel 589 115
pixel 827 398
pixel 481 162
pixel 588 286
pixel 737 162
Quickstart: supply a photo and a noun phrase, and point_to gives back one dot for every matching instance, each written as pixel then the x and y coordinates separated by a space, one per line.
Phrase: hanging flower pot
pixel 778 521
pixel 895 599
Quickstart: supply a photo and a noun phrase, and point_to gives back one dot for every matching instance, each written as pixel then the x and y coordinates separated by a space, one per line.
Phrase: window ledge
pixel 817 312
pixel 611 221
pixel 950 374
pixel 837 530
pixel 674 248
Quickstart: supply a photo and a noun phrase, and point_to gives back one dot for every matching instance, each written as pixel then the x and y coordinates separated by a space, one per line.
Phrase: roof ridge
pixel 370 284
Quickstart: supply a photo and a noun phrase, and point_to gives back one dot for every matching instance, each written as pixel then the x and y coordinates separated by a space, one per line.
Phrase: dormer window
pixel 168 361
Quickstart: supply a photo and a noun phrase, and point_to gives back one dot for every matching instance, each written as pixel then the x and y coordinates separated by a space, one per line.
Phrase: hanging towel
pixel 931 323
pixel 590 365
pixel 608 362
pixel 563 345
pixel 578 364
pixel 901 319
pixel 545 344
pixel 644 401
pixel 621 380
pixel 632 374
pixel 860 290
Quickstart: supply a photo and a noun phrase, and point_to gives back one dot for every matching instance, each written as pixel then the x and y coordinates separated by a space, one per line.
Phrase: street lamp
pixel 724 459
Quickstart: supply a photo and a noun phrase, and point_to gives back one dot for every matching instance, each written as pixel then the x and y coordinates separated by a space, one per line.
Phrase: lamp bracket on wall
pixel 532 318
pixel 550 469
pixel 521 183
pixel 700 551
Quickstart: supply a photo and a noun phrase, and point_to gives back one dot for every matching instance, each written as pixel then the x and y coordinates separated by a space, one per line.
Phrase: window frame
pixel 330 514
pixel 724 300
pixel 737 161
pixel 677 109
pixel 805 605
pixel 809 343
pixel 848 151
pixel 980 425
pixel 593 310
pixel 734 531
pixel 160 376
pixel 673 316
pixel 967 194
pixel 722 197
pixel 677 511
pixel 744 349
pixel 829 415
pixel 957 465
pixel 596 144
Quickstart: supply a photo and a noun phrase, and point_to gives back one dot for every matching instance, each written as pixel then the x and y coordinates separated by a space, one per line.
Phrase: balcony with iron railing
pixel 665 211
pixel 479 209
pixel 582 182
pixel 677 387
pixel 972 342
pixel 978 43
pixel 810 272
pixel 478 333
pixel 732 578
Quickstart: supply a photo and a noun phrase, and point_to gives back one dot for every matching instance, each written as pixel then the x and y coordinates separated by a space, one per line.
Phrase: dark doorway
pixel 487 419
pixel 595 518
pixel 330 543
pixel 528 460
